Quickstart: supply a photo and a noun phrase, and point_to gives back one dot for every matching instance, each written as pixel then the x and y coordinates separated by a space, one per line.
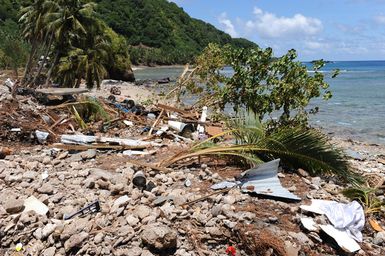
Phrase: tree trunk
pixel 44 60
pixel 29 62
pixel 51 68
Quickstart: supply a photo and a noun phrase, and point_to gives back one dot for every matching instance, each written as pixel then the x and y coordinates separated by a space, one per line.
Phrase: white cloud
pixel 227 24
pixel 269 25
pixel 380 19
pixel 314 45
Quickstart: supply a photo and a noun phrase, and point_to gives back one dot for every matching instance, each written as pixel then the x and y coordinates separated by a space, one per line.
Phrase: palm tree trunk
pixel 29 62
pixel 49 75
pixel 44 60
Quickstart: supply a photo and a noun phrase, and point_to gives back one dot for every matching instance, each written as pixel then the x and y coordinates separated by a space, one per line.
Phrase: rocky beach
pixel 163 218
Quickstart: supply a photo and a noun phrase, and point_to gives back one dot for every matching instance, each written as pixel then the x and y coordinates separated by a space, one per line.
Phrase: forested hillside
pixel 172 34
pixel 158 31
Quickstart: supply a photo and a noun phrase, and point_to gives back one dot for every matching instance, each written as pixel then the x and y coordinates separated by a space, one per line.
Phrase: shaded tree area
pixel 61 41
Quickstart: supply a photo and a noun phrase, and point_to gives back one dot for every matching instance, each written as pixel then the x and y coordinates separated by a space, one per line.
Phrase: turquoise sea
pixel 357 108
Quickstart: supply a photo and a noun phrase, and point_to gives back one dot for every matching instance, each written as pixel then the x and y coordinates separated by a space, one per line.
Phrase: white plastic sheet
pixel 349 217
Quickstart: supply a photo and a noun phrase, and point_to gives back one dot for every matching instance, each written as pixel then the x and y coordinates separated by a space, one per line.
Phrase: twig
pixel 156 122
pixel 207 196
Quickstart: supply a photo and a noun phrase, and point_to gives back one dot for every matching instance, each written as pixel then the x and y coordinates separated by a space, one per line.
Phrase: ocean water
pixel 357 108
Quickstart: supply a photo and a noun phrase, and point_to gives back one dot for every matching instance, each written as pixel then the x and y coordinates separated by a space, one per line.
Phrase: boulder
pixel 159 237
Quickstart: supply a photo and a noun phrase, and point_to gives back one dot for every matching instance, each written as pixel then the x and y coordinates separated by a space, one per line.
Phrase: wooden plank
pixel 95 146
pixel 62 91
pixel 172 109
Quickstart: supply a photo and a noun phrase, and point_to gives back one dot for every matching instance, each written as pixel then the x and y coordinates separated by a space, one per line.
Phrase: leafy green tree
pixel 13 48
pixel 259 82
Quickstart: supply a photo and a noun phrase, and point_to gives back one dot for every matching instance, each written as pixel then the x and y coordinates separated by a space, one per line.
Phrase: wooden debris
pixel 62 91
pixel 156 122
pixel 95 146
pixel 207 196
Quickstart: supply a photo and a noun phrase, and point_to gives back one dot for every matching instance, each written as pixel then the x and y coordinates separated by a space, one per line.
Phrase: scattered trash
pixel 201 128
pixel 19 247
pixel 128 123
pixel 139 180
pixel 348 217
pixel 34 204
pixel 41 136
pixel 115 90
pixel 187 183
pixel 85 139
pixel 230 250
pixel 92 207
pixel 44 175
pixel 16 130
pixel 347 222
pixel 262 180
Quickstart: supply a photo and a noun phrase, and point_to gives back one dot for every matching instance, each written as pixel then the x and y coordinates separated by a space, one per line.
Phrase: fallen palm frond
pixel 296 147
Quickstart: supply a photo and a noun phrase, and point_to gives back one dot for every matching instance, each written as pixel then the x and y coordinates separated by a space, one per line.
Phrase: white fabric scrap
pixel 348 218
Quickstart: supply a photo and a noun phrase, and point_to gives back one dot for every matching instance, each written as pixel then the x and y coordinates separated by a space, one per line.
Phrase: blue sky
pixel 329 29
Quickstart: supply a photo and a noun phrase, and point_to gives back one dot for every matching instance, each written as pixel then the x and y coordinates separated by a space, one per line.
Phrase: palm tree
pixel 68 23
pixel 34 28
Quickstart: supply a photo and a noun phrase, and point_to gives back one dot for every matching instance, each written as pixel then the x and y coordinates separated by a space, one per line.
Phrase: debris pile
pixel 96 185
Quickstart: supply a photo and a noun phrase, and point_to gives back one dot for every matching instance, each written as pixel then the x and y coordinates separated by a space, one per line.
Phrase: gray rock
pixel 98 238
pixel 159 237
pixel 89 154
pixel 135 251
pixel 46 188
pixel 214 231
pixel 142 211
pixel 302 172
pixel 132 221
pixel 146 253
pixel 13 206
pixel 301 238
pixel 379 238
pixel 48 229
pixel 75 241
pixel 49 251
pixel 121 201
pixel 229 199
pixel 29 175
pixel 73 228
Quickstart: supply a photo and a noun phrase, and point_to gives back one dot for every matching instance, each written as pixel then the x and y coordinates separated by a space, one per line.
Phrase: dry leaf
pixel 375 225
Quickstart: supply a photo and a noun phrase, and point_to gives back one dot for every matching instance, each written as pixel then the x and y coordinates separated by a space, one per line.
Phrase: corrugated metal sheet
pixel 263 180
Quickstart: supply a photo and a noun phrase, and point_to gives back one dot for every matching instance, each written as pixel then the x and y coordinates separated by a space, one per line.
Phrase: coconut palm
pixel 34 28
pixel 68 22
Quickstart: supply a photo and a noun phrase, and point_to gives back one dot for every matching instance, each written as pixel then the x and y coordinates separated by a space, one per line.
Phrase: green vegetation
pixel 149 31
pixel 160 32
pixel 367 197
pixel 13 49
pixel 61 41
pixel 261 83
pixel 297 147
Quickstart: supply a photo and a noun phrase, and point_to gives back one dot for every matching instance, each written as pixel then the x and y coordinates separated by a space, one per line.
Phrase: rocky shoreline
pixel 159 220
